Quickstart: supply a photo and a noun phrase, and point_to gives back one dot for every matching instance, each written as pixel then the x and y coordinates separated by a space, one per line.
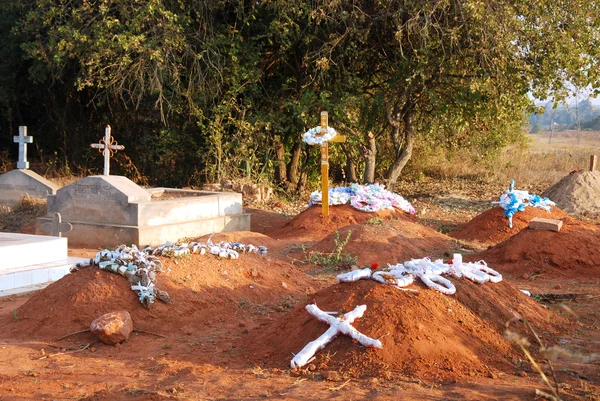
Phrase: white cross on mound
pixel 107 146
pixel 342 325
pixel 23 140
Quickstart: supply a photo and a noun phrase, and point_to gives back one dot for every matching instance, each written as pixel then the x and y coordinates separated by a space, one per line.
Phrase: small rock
pixel 312 367
pixel 284 285
pixel 112 328
pixel 43 351
pixel 374 381
pixel 492 375
pixel 254 272
pixel 331 375
pixel 93 349
pixel 557 287
pixel 522 373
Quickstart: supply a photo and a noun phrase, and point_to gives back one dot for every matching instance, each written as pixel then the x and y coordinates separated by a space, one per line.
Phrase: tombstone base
pixel 31 262
pixel 95 235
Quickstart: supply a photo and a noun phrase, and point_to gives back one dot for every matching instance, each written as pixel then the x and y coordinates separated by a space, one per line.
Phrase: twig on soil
pixel 149 332
pixel 70 351
pixel 341 386
pixel 135 330
pixel 545 395
pixel 72 334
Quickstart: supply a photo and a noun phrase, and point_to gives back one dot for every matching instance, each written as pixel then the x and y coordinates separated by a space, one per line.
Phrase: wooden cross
pixel 342 325
pixel 107 146
pixel 22 140
pixel 325 164
pixel 57 227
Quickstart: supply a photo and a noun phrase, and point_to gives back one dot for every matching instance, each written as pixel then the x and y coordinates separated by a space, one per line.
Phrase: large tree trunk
pixel 293 173
pixel 404 147
pixel 370 155
pixel 280 168
pixel 350 168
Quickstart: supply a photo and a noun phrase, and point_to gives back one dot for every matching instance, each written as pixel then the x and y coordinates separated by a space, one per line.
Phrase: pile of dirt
pixel 426 335
pixel 572 252
pixel 203 289
pixel 577 193
pixel 310 224
pixel 393 241
pixel 491 227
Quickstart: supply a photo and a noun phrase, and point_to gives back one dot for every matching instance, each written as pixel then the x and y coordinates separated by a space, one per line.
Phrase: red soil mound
pixel 202 288
pixel 427 335
pixel 391 242
pixel 310 224
pixel 491 226
pixel 572 252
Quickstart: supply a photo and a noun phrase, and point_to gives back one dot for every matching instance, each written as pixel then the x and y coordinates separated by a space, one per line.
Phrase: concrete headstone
pixel 17 183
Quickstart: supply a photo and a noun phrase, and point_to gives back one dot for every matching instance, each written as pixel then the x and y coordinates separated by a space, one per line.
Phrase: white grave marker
pixel 107 146
pixel 339 326
pixel 23 140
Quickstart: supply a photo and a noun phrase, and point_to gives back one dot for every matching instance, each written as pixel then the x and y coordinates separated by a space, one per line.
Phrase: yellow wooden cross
pixel 325 164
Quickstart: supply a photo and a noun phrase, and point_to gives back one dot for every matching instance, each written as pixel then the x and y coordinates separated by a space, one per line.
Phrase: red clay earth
pixel 572 252
pixel 491 227
pixel 311 225
pixel 228 316
pixel 390 241
pixel 426 335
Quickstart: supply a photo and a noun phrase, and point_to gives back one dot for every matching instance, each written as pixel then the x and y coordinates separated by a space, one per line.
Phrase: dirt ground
pixel 234 325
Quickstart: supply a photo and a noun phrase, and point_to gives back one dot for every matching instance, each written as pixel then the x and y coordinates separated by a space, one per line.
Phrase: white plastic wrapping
pixel 429 272
pixel 341 325
pixel 354 275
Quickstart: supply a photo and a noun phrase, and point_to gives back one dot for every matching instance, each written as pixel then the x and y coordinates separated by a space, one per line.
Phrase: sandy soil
pixel 233 325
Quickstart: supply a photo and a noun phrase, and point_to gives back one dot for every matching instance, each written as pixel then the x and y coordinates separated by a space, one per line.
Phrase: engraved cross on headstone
pixel 23 140
pixel 57 226
pixel 107 146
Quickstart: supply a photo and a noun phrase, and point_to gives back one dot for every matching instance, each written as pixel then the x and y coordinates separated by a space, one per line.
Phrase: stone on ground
pixel 113 327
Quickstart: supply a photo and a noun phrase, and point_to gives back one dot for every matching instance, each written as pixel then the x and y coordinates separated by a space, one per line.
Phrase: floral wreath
pixel 311 137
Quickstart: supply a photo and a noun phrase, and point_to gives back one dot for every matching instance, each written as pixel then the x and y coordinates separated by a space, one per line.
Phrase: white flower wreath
pixel 311 137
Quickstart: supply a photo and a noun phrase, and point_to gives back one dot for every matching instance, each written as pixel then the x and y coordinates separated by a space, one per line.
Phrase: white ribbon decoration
pixel 312 136
pixel 341 325
pixel 430 273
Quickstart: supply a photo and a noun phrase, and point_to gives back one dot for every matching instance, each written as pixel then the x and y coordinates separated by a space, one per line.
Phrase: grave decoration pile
pixel 140 266
pixel 367 198
pixel 513 201
pixel 429 272
pixel 223 249
pixel 342 325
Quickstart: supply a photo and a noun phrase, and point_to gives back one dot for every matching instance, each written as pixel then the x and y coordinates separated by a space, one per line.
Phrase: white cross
pixel 341 325
pixel 23 140
pixel 107 146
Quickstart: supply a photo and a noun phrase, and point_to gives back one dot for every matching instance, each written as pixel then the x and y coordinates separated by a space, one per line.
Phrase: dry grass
pixel 22 216
pixel 534 166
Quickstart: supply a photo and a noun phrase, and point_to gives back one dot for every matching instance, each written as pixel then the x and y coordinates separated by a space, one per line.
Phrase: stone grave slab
pixel 107 211
pixel 17 183
pixel 31 262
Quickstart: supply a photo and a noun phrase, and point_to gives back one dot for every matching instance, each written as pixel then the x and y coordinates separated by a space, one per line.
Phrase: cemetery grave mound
pixel 310 224
pixel 572 252
pixel 577 193
pixel 425 335
pixel 389 241
pixel 491 227
pixel 203 289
